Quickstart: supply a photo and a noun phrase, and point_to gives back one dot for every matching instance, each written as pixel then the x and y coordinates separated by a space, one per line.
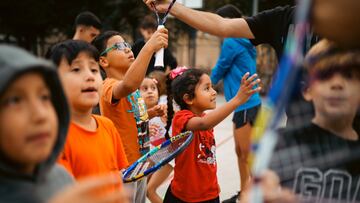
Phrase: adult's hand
pixel 161 6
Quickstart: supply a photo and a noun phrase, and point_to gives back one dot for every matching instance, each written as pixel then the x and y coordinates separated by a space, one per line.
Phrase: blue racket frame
pixel 158 165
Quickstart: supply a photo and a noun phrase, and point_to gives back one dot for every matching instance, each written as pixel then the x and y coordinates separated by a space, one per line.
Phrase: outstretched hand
pixel 247 89
pixel 161 6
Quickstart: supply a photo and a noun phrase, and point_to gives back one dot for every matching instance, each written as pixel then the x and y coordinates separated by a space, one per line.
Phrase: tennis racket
pixel 157 157
pixel 159 56
pixel 264 136
pixel 312 162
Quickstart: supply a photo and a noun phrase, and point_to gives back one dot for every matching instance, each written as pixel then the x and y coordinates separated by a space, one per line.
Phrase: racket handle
pixel 159 56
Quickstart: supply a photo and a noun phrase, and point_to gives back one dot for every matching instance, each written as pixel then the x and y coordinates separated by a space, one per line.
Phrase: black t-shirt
pixel 169 59
pixel 316 163
pixel 273 26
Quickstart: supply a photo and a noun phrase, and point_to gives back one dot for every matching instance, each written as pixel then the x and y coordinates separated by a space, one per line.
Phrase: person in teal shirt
pixel 238 56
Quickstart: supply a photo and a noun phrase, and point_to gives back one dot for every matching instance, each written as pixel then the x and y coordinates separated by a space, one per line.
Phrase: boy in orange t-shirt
pixel 120 100
pixel 93 146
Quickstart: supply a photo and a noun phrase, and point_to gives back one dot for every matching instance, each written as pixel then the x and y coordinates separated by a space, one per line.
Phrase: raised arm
pixel 211 119
pixel 206 21
pixel 136 73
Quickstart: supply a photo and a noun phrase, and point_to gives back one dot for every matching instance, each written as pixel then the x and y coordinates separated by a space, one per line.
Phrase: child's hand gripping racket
pixel 159 56
pixel 157 157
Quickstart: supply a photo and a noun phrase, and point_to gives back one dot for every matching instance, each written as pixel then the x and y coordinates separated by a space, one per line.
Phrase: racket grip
pixel 159 56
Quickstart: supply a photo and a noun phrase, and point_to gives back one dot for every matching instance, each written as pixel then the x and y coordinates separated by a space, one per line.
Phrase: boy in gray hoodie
pixel 34 119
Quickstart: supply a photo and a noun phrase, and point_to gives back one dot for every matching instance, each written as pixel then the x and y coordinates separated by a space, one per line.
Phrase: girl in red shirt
pixel 195 177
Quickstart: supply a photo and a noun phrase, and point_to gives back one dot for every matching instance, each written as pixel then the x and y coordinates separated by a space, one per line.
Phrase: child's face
pixel 81 81
pixel 28 122
pixel 205 95
pixel 335 96
pixel 119 59
pixel 149 92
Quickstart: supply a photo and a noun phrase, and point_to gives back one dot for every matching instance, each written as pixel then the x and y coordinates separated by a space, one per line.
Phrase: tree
pixel 28 23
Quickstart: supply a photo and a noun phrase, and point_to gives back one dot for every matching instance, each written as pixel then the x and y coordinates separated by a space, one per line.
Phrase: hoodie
pixel 237 57
pixel 48 177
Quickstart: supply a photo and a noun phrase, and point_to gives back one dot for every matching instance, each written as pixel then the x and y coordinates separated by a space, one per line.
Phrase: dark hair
pixel 177 88
pixel 101 40
pixel 69 50
pixel 148 22
pixel 326 58
pixel 160 76
pixel 229 11
pixel 87 18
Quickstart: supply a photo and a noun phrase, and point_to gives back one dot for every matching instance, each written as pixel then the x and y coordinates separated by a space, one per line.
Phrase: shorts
pixel 170 198
pixel 245 116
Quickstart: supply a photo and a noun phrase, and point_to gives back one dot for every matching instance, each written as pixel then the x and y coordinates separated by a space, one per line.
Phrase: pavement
pixel 228 175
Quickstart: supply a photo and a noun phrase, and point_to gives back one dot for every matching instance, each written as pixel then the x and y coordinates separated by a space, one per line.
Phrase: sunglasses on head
pixel 119 46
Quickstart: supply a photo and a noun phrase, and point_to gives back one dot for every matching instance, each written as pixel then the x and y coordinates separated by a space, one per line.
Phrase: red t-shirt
pixel 195 177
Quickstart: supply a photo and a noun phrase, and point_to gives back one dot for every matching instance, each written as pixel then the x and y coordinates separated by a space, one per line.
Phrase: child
pixel 34 119
pixel 120 100
pixel 195 168
pixel 150 92
pixel 160 77
pixel 93 145
pixel 327 149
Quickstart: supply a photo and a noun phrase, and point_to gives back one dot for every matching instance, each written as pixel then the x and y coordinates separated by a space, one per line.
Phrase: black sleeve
pixel 137 46
pixel 271 26
pixel 169 59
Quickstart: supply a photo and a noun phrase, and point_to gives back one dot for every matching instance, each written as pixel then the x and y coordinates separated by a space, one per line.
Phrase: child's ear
pixel 187 99
pixel 103 62
pixel 306 94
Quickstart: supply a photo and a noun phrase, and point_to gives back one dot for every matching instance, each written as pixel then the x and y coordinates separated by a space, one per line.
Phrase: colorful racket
pixel 157 157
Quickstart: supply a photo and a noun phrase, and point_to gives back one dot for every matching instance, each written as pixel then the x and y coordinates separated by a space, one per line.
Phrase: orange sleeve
pixel 64 159
pixel 108 88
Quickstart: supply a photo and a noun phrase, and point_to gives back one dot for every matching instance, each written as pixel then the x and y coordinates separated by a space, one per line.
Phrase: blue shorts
pixel 245 116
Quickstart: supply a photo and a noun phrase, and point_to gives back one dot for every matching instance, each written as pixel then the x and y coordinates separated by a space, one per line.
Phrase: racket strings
pixel 163 153
pixel 159 156
pixel 140 168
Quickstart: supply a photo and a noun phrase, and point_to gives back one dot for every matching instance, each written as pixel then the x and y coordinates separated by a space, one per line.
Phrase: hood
pixel 247 44
pixel 15 62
